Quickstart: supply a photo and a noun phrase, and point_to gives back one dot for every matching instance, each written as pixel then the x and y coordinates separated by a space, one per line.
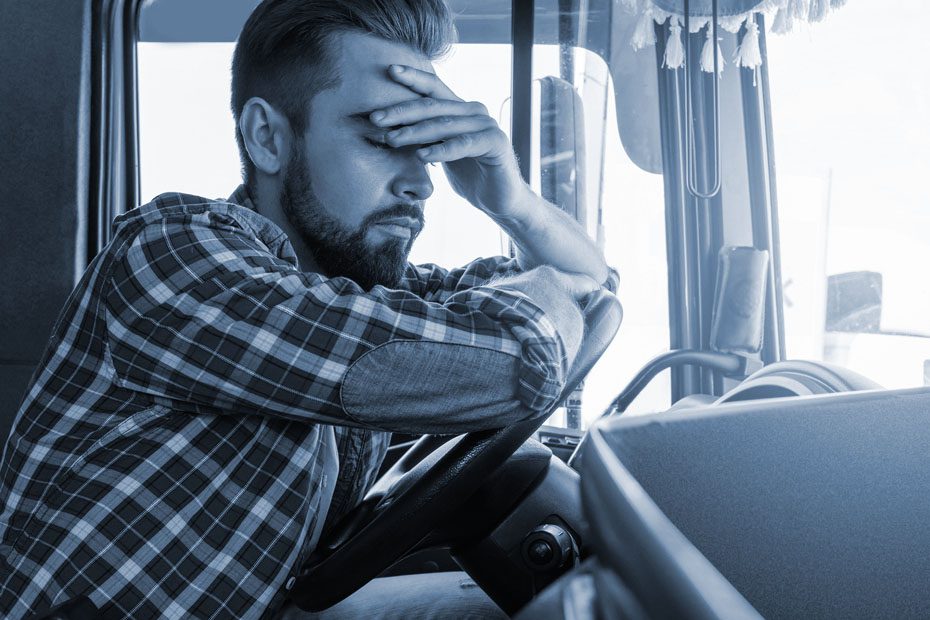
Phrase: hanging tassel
pixel 748 54
pixel 800 9
pixel 818 10
pixel 707 54
pixel 784 20
pixel 645 34
pixel 835 4
pixel 674 50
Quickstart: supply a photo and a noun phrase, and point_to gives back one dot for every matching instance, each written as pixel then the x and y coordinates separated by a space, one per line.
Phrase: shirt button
pixel 290 583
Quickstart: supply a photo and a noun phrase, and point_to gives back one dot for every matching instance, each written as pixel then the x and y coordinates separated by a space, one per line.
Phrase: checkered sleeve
pixel 435 283
pixel 203 314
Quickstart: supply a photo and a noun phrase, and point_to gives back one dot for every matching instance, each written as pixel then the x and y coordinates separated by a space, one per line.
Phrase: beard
pixel 338 250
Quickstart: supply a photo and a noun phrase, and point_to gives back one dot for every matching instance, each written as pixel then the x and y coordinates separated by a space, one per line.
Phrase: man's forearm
pixel 546 235
pixel 555 294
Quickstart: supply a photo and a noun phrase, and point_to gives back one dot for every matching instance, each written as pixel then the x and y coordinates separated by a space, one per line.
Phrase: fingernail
pixel 398 68
pixel 377 116
pixel 424 153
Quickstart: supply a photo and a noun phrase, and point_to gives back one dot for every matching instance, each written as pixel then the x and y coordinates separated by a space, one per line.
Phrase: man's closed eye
pixel 376 144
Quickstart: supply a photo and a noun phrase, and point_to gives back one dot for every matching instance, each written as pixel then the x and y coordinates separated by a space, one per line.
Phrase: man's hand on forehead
pixel 476 153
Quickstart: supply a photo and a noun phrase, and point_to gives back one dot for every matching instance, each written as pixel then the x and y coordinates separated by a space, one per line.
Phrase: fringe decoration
pixel 696 23
pixel 732 23
pixel 784 20
pixel 644 35
pixel 707 54
pixel 818 10
pixel 782 14
pixel 674 50
pixel 772 5
pixel 800 8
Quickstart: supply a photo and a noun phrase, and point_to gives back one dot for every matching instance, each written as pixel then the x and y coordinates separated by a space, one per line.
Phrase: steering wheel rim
pixel 386 526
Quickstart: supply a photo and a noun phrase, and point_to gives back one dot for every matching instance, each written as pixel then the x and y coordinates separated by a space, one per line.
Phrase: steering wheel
pixel 435 477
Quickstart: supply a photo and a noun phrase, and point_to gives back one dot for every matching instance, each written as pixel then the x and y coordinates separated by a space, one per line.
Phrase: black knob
pixel 540 552
pixel 547 547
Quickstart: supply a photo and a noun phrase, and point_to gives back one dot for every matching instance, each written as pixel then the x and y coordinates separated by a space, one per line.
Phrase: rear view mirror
pixel 561 147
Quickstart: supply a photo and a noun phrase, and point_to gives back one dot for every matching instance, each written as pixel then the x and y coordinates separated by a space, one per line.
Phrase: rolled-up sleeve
pixel 434 283
pixel 208 318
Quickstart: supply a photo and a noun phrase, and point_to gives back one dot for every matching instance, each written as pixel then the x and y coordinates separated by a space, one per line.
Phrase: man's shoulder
pixel 183 210
pixel 180 206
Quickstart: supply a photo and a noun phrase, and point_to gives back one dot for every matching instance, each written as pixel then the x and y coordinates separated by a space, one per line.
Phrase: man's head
pixel 305 75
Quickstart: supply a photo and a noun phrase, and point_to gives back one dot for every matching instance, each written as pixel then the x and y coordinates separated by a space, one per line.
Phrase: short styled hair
pixel 285 50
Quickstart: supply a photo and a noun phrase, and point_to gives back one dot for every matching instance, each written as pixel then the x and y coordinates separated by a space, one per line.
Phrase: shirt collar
pixel 263 228
pixel 243 198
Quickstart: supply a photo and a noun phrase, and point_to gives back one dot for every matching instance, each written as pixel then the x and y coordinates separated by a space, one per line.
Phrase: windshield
pixel 851 113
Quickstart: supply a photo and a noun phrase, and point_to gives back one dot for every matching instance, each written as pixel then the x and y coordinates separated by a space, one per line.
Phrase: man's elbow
pixel 443 388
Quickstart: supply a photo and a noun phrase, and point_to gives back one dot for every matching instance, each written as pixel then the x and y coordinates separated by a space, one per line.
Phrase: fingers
pixel 437 129
pixel 424 108
pixel 448 128
pixel 487 143
pixel 422 82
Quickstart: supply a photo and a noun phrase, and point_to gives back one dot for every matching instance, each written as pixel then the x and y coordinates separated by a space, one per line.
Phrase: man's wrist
pixel 546 235
pixel 524 215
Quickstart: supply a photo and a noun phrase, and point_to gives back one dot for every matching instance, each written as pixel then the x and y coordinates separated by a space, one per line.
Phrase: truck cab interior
pixel 747 436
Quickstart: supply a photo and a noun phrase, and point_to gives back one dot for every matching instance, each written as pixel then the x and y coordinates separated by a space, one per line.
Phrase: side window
pixel 851 126
pixel 624 209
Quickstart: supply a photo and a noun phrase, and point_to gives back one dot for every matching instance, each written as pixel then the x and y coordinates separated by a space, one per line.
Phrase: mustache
pixel 412 211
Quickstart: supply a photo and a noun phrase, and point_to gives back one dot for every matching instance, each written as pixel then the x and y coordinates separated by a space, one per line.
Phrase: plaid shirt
pixel 178 449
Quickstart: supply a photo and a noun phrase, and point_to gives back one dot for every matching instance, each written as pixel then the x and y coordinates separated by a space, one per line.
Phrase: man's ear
pixel 266 133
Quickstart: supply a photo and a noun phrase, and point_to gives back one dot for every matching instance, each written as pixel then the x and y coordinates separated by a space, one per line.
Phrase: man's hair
pixel 285 52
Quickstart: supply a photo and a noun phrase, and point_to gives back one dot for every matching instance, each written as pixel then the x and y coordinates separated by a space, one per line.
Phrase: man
pixel 223 380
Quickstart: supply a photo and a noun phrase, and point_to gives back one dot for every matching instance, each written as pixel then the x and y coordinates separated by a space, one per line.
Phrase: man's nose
pixel 414 182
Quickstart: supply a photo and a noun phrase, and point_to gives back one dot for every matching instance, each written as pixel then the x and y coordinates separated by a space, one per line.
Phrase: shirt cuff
pixel 612 283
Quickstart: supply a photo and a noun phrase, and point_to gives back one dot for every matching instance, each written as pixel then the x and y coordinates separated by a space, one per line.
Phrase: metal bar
pixel 567 39
pixel 707 212
pixel 691 172
pixel 726 363
pixel 569 15
pixel 774 316
pixel 759 160
pixel 522 33
pixel 679 242
pixel 131 196
pixel 98 144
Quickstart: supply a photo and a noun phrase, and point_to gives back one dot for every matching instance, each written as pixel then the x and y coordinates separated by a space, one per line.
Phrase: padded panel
pixel 44 47
pixel 811 507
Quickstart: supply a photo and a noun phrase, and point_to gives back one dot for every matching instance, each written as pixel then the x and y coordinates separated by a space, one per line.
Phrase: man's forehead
pixel 363 63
